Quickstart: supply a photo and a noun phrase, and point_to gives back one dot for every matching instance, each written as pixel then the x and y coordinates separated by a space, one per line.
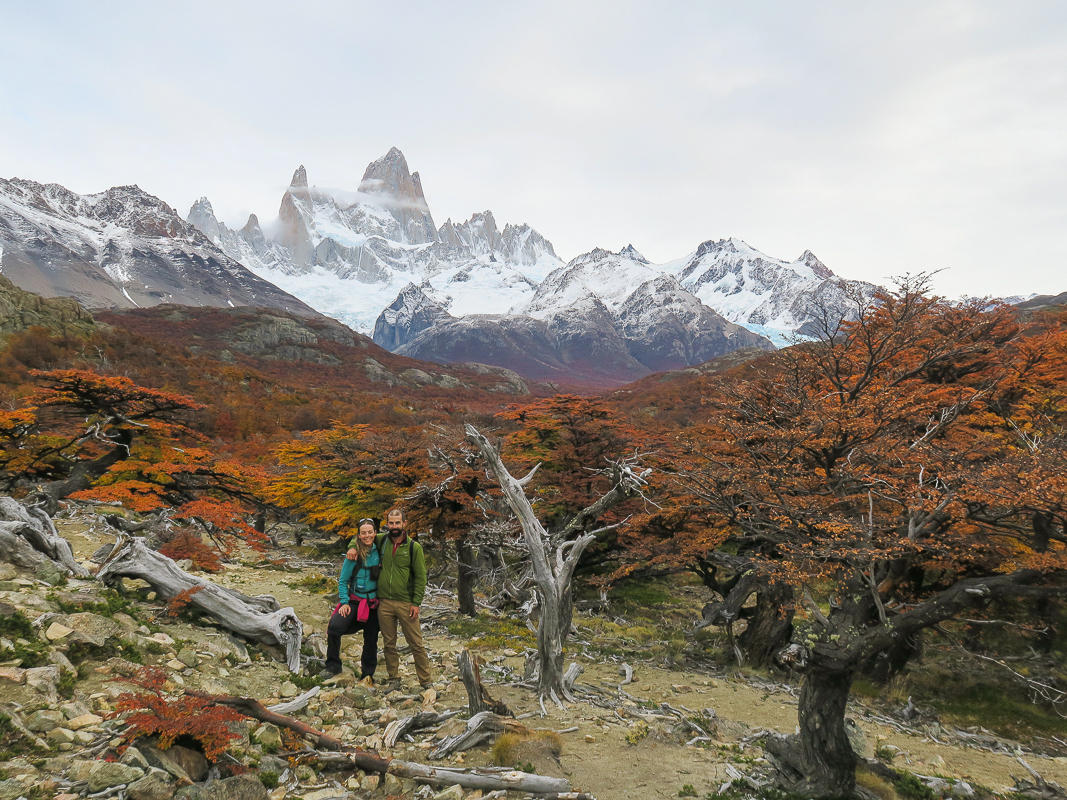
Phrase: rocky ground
pixel 60 677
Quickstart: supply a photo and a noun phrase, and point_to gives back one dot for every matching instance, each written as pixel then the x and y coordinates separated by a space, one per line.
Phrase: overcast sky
pixel 886 137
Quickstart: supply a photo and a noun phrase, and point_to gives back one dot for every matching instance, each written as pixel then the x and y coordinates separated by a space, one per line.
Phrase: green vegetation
pixel 490 633
pixel 269 779
pixel 316 583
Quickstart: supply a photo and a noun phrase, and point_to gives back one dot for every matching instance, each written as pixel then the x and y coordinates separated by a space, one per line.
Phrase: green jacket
pixel 403 574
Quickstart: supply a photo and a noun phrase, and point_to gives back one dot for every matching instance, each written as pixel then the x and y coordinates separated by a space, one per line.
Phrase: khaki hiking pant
pixel 391 612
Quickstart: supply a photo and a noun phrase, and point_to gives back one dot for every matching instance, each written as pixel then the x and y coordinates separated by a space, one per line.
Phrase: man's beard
pixel 396 534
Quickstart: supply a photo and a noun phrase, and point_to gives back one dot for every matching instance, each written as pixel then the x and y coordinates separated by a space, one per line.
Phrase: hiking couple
pixel 381 586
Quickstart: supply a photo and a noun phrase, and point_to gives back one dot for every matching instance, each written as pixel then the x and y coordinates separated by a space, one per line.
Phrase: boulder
pixel 268 736
pixel 111 773
pixel 45 720
pixel 156 785
pixel 240 787
pixel 176 760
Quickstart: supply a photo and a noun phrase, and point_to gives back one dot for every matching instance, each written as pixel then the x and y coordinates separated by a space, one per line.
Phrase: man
pixel 401 587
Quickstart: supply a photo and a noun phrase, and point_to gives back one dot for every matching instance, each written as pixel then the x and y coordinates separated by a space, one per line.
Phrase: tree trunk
pixel 819 761
pixel 83 474
pixel 771 625
pixel 467 573
pixel 35 527
pixel 258 618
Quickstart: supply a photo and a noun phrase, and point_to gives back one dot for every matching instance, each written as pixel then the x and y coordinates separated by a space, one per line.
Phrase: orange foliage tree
pixel 869 472
pixel 96 437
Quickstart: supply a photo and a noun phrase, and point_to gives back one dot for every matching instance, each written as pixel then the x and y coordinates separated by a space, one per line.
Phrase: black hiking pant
pixel 340 626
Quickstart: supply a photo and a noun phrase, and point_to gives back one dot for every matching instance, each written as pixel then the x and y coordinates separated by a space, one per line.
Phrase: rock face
pixel 410 314
pixel 119 248
pixel 350 254
pixel 20 310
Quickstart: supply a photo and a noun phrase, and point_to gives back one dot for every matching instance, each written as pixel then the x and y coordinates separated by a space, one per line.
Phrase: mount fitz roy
pixel 461 292
pixel 471 292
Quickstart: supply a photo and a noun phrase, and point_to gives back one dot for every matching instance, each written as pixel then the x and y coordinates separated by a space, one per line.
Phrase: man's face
pixel 395 524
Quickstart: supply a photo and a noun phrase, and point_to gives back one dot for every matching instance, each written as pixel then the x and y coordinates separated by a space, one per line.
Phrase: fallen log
pixel 341 756
pixel 478 697
pixel 486 779
pixel 479 728
pixel 35 527
pixel 296 703
pixel 258 618
pixel 251 707
pixel 425 719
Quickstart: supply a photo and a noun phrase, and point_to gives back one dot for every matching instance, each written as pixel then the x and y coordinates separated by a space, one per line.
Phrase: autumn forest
pixel 845 502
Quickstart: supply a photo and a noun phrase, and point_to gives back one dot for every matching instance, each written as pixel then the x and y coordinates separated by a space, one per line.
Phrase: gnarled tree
pixel 873 463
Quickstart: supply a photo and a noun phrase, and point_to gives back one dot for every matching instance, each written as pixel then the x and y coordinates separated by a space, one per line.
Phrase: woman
pixel 357 589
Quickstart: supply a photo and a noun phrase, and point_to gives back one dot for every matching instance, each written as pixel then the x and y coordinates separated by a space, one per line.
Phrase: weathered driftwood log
pixel 479 728
pixel 487 779
pixel 251 707
pixel 258 618
pixel 296 703
pixel 342 756
pixel 478 697
pixel 424 719
pixel 36 528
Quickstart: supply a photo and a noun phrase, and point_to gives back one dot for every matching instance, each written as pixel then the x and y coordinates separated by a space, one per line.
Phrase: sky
pixel 888 138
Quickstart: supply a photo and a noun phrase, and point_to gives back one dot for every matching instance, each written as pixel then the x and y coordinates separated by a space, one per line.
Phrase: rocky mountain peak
pixel 401 194
pixel 809 260
pixel 631 252
pixel 300 178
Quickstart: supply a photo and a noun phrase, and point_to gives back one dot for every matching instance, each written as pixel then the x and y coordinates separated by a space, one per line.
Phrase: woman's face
pixel 366 533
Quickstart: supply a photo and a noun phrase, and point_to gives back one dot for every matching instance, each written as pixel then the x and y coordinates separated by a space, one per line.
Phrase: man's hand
pixel 345 610
pixel 414 613
pixel 351 555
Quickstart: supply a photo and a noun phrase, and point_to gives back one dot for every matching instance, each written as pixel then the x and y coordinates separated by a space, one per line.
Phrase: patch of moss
pixel 491 633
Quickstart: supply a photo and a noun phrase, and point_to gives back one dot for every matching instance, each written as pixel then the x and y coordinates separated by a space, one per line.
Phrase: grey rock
pixel 45 720
pixel 156 785
pixel 134 758
pixel 111 773
pixel 12 789
pixel 268 736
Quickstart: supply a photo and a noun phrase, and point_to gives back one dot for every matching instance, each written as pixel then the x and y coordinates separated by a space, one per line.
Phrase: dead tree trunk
pixel 467 574
pixel 258 618
pixel 478 697
pixel 553 560
pixel 34 527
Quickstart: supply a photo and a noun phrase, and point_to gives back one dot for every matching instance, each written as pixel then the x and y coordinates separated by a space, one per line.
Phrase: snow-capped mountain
pixel 374 259
pixel 605 318
pixel 122 247
pixel 766 294
pixel 350 254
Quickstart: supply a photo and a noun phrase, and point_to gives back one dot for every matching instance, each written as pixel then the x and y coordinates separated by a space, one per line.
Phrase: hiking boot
pixel 427 685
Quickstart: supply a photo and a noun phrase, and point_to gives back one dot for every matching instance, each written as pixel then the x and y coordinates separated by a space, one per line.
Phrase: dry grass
pixel 510 748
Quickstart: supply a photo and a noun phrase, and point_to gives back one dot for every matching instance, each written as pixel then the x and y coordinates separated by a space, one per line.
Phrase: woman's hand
pixel 345 610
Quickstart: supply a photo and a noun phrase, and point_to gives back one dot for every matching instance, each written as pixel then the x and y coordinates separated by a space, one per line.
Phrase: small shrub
pixel 16 626
pixel 187 544
pixel 179 604
pixel 269 779
pixel 637 733
pixel 886 754
pixel 316 583
pixel 687 790
pixel 910 787
pixel 151 712
pixel 67 681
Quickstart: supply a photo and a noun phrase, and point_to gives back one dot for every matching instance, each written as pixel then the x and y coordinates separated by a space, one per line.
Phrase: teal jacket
pixel 356 579
pixel 403 574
